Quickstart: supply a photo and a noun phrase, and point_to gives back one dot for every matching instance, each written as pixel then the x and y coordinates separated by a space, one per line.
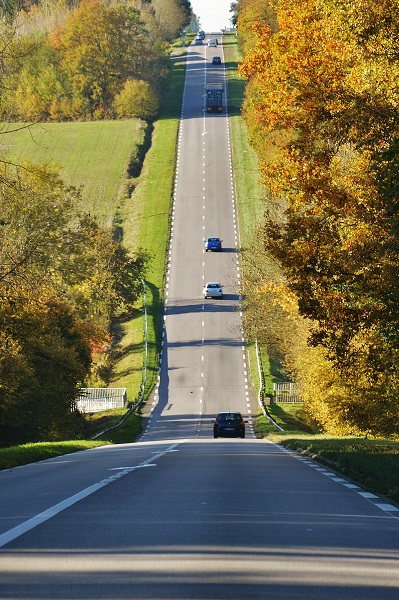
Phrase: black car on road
pixel 229 424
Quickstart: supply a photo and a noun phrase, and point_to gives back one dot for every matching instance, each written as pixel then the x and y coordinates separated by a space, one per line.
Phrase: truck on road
pixel 214 96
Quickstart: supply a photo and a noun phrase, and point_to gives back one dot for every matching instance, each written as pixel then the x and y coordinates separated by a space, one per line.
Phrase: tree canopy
pixel 77 66
pixel 322 112
pixel 62 277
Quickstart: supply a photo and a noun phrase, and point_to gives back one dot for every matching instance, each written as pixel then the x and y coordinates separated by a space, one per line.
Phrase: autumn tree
pixel 249 13
pixel 97 273
pixel 322 113
pixel 171 16
pixel 136 99
pixel 62 278
pixel 100 48
pixel 45 358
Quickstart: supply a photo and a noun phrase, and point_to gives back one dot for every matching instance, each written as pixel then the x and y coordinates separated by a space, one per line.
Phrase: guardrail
pixel 261 391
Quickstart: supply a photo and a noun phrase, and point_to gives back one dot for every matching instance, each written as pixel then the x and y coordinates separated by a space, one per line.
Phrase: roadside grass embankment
pixel 251 195
pixel 146 218
pixel 372 464
pixel 15 456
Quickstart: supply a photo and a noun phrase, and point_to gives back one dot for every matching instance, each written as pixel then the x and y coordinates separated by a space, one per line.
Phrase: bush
pixel 137 99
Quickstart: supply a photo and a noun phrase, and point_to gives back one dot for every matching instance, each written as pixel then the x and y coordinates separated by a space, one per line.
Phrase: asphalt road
pixel 180 515
pixel 204 364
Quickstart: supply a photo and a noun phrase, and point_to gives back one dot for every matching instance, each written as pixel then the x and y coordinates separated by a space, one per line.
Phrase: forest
pixel 87 60
pixel 321 291
pixel 63 275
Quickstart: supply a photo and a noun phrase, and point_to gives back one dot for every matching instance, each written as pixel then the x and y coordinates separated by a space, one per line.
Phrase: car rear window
pixel 229 417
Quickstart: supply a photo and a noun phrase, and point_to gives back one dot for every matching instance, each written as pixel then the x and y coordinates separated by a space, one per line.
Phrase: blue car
pixel 213 244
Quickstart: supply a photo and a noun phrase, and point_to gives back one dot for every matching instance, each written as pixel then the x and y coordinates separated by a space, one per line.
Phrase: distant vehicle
pixel 216 60
pixel 212 43
pixel 213 243
pixel 229 424
pixel 198 41
pixel 201 34
pixel 213 289
pixel 214 96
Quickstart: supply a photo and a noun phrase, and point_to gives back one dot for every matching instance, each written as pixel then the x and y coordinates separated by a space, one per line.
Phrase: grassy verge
pixel 127 432
pixel 372 464
pixel 93 155
pixel 28 453
pixel 251 196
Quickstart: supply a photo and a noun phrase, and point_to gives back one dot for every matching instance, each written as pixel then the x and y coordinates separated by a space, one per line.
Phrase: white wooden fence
pixel 95 399
pixel 286 392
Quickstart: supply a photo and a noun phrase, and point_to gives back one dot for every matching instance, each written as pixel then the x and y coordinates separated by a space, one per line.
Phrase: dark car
pixel 229 424
pixel 213 243
pixel 216 60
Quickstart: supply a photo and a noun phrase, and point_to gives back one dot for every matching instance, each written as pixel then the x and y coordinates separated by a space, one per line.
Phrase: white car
pixel 213 289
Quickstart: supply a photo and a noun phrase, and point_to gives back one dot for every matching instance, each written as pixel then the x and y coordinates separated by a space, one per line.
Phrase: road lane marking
pixel 385 507
pixel 19 530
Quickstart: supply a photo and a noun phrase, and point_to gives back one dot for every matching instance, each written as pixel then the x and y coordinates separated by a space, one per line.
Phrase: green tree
pixel 100 47
pixel 36 207
pixel 97 273
pixel 136 99
pixel 171 16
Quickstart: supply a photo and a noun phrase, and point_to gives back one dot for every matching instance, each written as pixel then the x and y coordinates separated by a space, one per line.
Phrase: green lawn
pixel 94 155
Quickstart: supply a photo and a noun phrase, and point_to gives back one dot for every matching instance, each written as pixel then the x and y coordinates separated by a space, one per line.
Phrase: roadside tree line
pixel 322 110
pixel 62 278
pixel 91 60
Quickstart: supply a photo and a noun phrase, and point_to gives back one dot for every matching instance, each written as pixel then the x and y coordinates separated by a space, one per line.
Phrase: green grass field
pixel 94 156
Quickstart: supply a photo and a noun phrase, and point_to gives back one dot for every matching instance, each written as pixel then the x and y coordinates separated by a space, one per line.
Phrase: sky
pixel 214 15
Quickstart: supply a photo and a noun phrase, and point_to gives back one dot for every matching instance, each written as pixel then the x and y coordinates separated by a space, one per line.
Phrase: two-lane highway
pixel 202 519
pixel 204 367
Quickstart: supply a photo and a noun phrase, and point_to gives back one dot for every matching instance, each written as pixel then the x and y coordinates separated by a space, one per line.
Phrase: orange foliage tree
pixel 322 112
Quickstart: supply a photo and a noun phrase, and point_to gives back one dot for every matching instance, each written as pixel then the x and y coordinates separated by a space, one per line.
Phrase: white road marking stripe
pixel 19 530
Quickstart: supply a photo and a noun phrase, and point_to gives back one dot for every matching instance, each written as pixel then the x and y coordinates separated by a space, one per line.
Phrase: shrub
pixel 137 99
